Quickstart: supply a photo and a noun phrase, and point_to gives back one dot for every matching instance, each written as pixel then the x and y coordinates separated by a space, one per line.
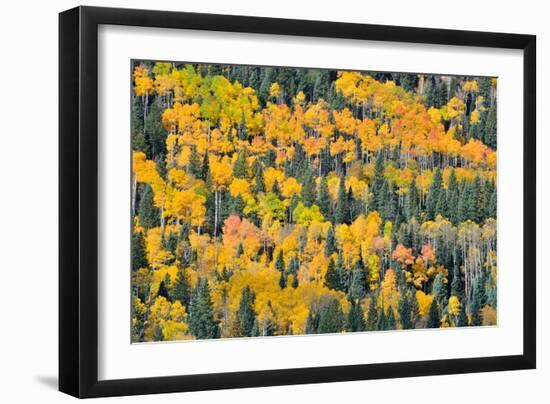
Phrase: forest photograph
pixel 279 201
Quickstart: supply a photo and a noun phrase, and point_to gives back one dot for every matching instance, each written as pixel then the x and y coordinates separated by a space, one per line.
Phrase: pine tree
pixel 202 323
pixel 490 138
pixel 240 170
pixel 456 284
pixel 259 185
pixel 324 199
pixel 378 181
pixel 331 318
pixel 372 315
pixel 382 324
pixel 356 319
pixel 439 290
pixel 330 243
pixel 332 277
pixel 194 166
pixel 412 209
pixel 280 262
pixel 462 320
pixel 434 319
pixel 308 189
pixel 358 287
pixel 390 319
pixel 139 251
pixel 404 308
pixel 282 280
pixel 246 316
pixel 452 199
pixel 342 208
pixel 182 290
pixel 163 290
pixel 149 215
pixel 205 167
pixel 433 195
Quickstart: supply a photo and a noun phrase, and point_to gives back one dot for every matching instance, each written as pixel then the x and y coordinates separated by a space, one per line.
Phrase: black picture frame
pixel 78 201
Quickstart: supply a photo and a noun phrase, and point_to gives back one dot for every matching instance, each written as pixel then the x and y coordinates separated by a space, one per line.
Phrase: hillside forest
pixel 271 201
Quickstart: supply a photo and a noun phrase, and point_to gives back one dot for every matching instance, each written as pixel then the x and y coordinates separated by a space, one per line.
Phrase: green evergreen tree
pixel 324 199
pixel 194 166
pixel 280 262
pixel 358 287
pixel 439 289
pixel 390 320
pixel 356 319
pixel 434 318
pixel 240 170
pixel 332 277
pixel 433 195
pixel 259 185
pixel 163 291
pixel 412 204
pixel 182 289
pixel 342 208
pixel 331 318
pixel 456 284
pixel 372 315
pixel 490 138
pixel 139 251
pixel 404 308
pixel 201 319
pixel 246 316
pixel 382 324
pixel 282 280
pixel 149 215
pixel 462 320
pixel 308 189
pixel 330 243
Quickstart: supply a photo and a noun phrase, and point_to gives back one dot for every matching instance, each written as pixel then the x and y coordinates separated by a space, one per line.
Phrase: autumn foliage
pixel 289 201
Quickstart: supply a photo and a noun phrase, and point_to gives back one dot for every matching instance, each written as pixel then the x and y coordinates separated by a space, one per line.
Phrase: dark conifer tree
pixel 246 316
pixel 259 185
pixel 342 207
pixel 330 243
pixel 332 277
pixel 280 262
pixel 404 308
pixel 382 324
pixel 372 315
pixel 390 319
pixel 149 215
pixel 356 318
pixel 163 291
pixel 240 170
pixel 331 318
pixel 462 320
pixel 324 199
pixel 282 280
pixel 433 195
pixel 182 289
pixel 308 189
pixel 434 318
pixel 139 251
pixel 201 319
pixel 412 204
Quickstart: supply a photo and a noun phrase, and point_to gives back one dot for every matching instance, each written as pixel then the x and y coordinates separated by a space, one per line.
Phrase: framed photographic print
pixel 250 201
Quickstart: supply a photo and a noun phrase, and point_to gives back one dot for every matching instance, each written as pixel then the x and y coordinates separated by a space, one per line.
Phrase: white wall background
pixel 28 200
